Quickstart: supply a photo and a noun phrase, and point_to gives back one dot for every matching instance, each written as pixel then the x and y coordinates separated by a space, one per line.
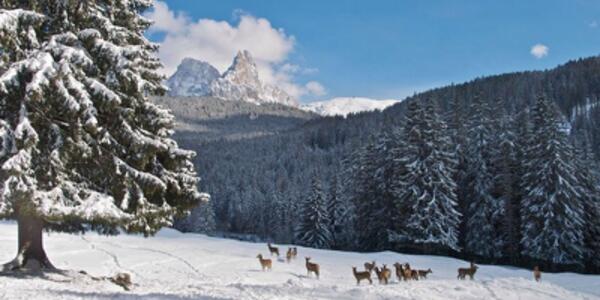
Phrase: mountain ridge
pixel 343 106
pixel 240 82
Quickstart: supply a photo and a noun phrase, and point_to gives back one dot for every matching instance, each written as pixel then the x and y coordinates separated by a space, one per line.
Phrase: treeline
pixel 497 186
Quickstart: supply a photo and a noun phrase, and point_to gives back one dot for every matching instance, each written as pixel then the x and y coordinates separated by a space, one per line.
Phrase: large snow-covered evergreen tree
pixel 313 230
pixel 587 175
pixel 484 212
pixel 337 211
pixel 429 186
pixel 81 146
pixel 362 190
pixel 506 181
pixel 552 216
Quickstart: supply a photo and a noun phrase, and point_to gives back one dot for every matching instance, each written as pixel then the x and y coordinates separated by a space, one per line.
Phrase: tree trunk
pixel 31 254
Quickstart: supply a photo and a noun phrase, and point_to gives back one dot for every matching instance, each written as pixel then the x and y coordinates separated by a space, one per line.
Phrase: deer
pixel 273 249
pixel 363 275
pixel 311 267
pixel 410 273
pixel 537 274
pixel 383 275
pixel 423 273
pixel 289 255
pixel 294 252
pixel 399 272
pixel 266 264
pixel 463 272
pixel 369 266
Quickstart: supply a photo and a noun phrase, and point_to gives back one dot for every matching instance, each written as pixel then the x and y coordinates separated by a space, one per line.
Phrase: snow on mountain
pixel 173 265
pixel 192 78
pixel 345 106
pixel 240 82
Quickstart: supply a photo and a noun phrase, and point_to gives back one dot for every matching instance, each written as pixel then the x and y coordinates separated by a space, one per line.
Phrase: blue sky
pixel 388 49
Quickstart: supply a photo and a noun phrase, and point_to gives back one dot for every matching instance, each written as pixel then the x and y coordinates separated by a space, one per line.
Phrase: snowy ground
pixel 188 266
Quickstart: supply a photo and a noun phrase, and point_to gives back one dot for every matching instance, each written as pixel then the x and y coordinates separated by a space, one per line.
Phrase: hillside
pixel 190 266
pixel 208 118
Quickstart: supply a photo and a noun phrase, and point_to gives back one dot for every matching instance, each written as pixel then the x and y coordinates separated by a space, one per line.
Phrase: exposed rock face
pixel 240 82
pixel 192 78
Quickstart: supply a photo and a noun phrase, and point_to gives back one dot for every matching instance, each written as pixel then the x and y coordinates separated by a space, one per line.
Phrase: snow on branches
pixel 79 140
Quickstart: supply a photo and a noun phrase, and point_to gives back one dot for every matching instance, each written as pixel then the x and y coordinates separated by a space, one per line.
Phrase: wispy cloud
pixel 539 51
pixel 217 42
pixel 315 88
pixel 593 24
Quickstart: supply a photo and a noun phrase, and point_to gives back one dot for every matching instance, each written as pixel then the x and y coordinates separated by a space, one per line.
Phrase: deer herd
pixel 403 271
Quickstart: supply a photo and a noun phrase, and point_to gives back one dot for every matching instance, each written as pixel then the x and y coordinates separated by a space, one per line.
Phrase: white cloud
pixel 539 51
pixel 315 88
pixel 217 42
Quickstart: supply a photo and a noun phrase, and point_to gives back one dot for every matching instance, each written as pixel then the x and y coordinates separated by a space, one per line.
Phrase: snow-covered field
pixel 189 266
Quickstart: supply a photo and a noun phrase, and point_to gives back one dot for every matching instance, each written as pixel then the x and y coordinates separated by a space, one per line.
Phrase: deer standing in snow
pixel 423 273
pixel 370 266
pixel 266 264
pixel 463 272
pixel 363 275
pixel 311 267
pixel 537 274
pixel 383 275
pixel 273 249
pixel 400 272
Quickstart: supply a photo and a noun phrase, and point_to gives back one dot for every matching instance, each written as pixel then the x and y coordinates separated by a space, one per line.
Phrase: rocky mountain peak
pixel 243 70
pixel 239 82
pixel 192 78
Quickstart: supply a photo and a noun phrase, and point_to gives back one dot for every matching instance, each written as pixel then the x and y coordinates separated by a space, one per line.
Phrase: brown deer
pixel 537 274
pixel 266 264
pixel 423 273
pixel 383 275
pixel 410 273
pixel 311 267
pixel 273 249
pixel 400 272
pixel 289 255
pixel 363 275
pixel 369 266
pixel 294 252
pixel 463 272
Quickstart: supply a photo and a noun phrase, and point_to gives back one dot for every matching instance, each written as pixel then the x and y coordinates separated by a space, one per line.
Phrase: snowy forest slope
pixel 209 118
pixel 258 184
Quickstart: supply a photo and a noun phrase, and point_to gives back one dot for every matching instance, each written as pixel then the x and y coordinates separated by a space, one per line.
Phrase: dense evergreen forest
pixel 499 169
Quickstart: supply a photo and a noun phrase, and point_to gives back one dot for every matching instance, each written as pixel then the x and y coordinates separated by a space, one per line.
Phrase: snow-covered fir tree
pixel 363 195
pixel 484 212
pixel 337 211
pixel 429 183
pixel 386 215
pixel 405 185
pixel 552 216
pixel 81 144
pixel 586 165
pixel 457 128
pixel 313 230
pixel 506 182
